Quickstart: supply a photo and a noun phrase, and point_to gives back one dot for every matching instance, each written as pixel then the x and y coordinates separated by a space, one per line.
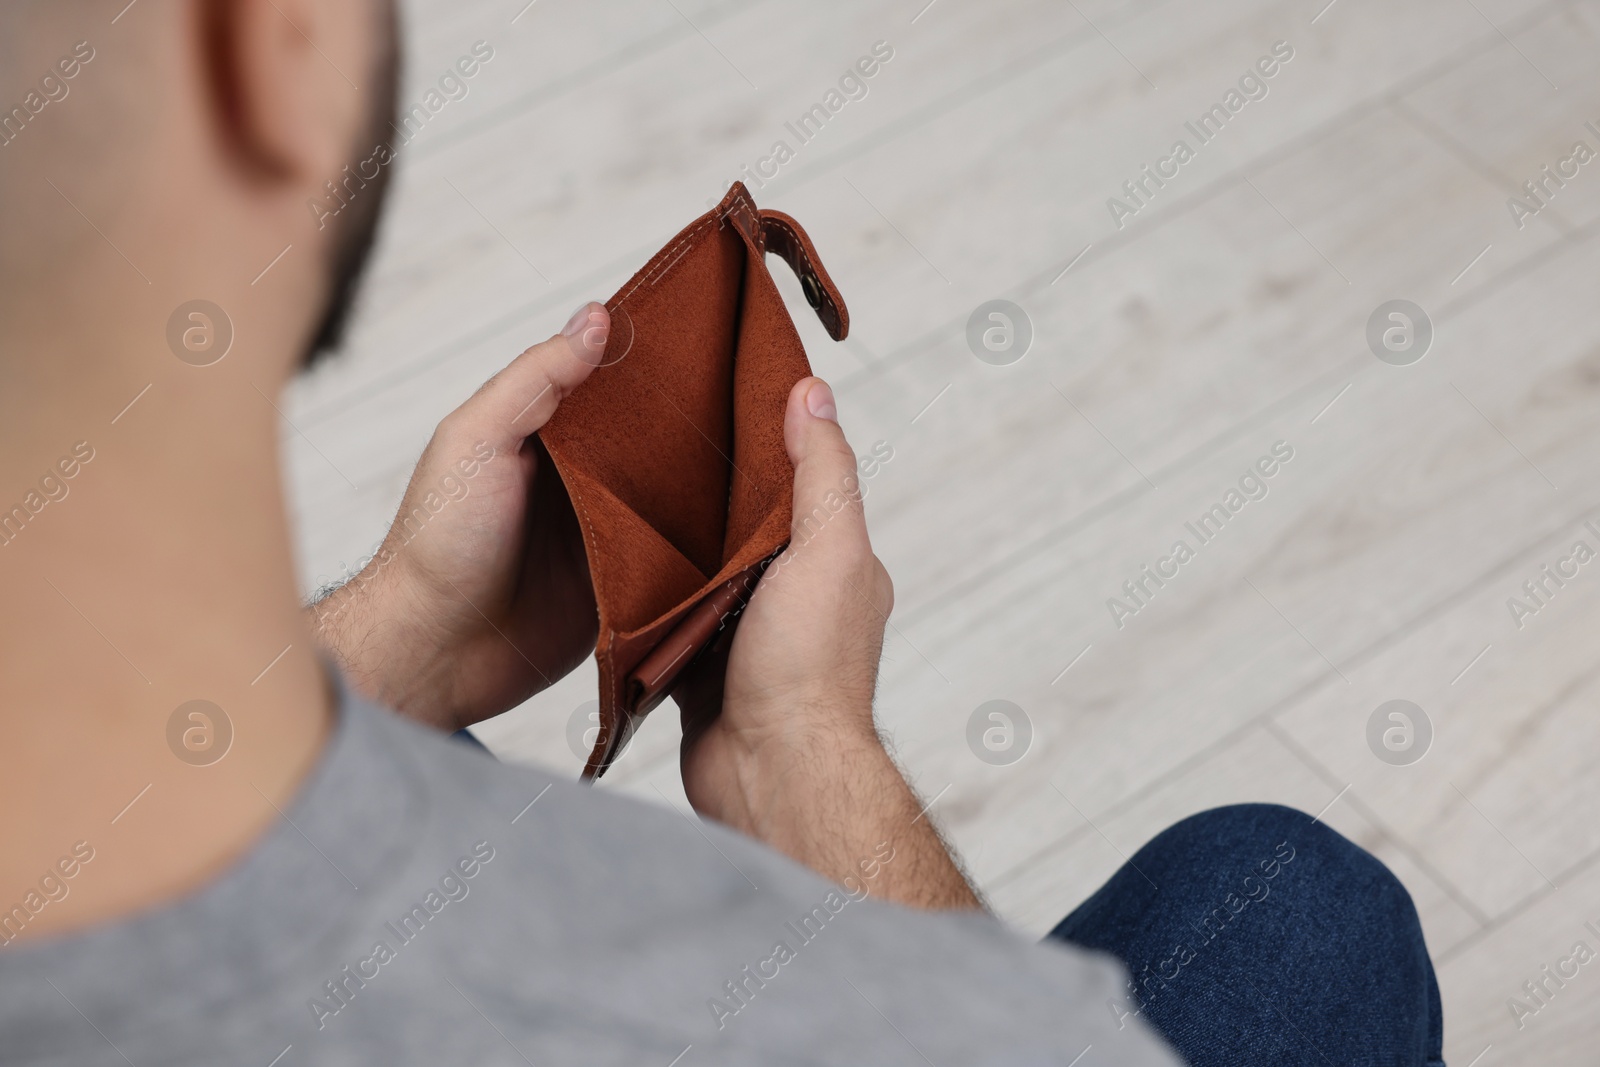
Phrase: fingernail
pixel 579 320
pixel 588 329
pixel 819 401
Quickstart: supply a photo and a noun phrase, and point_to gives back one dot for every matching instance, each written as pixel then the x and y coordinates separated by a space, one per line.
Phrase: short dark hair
pixel 358 230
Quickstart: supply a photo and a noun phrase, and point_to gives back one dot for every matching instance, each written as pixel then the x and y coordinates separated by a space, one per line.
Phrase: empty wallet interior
pixel 672 451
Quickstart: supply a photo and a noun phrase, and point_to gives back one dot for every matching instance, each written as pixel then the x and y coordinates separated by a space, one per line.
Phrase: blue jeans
pixel 1254 936
pixel 466 737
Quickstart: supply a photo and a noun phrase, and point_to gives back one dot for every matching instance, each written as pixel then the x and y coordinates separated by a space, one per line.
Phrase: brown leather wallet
pixel 672 451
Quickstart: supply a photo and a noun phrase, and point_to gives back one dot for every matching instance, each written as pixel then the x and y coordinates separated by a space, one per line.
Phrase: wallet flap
pixel 783 235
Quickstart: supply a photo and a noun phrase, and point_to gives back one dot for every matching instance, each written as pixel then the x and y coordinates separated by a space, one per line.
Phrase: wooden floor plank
pixel 1225 316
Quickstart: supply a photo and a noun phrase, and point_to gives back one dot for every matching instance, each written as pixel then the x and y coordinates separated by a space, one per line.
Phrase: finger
pixel 827 489
pixel 521 398
pixel 699 690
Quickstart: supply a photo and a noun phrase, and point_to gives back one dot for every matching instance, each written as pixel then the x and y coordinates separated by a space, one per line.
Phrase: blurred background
pixel 1146 359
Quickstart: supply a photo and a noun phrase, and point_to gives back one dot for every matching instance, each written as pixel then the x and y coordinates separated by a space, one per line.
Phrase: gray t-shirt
pixel 420 903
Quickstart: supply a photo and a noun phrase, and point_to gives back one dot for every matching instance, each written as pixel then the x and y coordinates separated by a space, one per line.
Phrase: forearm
pixel 840 805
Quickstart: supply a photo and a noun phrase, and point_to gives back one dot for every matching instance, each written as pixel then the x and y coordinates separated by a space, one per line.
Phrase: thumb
pixel 520 399
pixel 827 489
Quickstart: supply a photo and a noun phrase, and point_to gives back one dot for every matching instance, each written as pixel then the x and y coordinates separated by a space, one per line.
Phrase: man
pixel 219 851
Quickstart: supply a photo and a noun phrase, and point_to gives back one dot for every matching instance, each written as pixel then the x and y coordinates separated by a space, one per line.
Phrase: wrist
pixel 366 626
pixel 817 783
pixel 777 770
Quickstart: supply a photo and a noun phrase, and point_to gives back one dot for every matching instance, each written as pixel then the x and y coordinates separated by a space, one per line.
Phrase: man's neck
pixel 144 564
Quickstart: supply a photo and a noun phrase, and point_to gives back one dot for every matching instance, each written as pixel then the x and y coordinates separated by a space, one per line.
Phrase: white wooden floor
pixel 1227 315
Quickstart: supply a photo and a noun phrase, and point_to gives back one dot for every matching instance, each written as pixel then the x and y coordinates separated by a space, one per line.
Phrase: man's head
pixel 165 151
pixel 156 154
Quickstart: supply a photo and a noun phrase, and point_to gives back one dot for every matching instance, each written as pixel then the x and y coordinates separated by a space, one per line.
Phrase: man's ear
pixel 286 110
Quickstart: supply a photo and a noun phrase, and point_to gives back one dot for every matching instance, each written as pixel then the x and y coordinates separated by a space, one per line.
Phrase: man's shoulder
pixel 463 782
pixel 626 918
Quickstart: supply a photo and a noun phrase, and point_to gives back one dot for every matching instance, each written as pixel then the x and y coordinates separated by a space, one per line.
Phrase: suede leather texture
pixel 672 451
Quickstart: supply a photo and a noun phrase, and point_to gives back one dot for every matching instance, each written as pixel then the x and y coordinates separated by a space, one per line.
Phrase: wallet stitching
pixel 667 269
pixel 594 574
pixel 650 273
pixel 588 538
pixel 654 271
pixel 747 221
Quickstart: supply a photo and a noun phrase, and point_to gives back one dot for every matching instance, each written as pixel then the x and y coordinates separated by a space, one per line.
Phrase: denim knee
pixel 1236 856
pixel 1347 876
pixel 1333 895
pixel 1240 917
